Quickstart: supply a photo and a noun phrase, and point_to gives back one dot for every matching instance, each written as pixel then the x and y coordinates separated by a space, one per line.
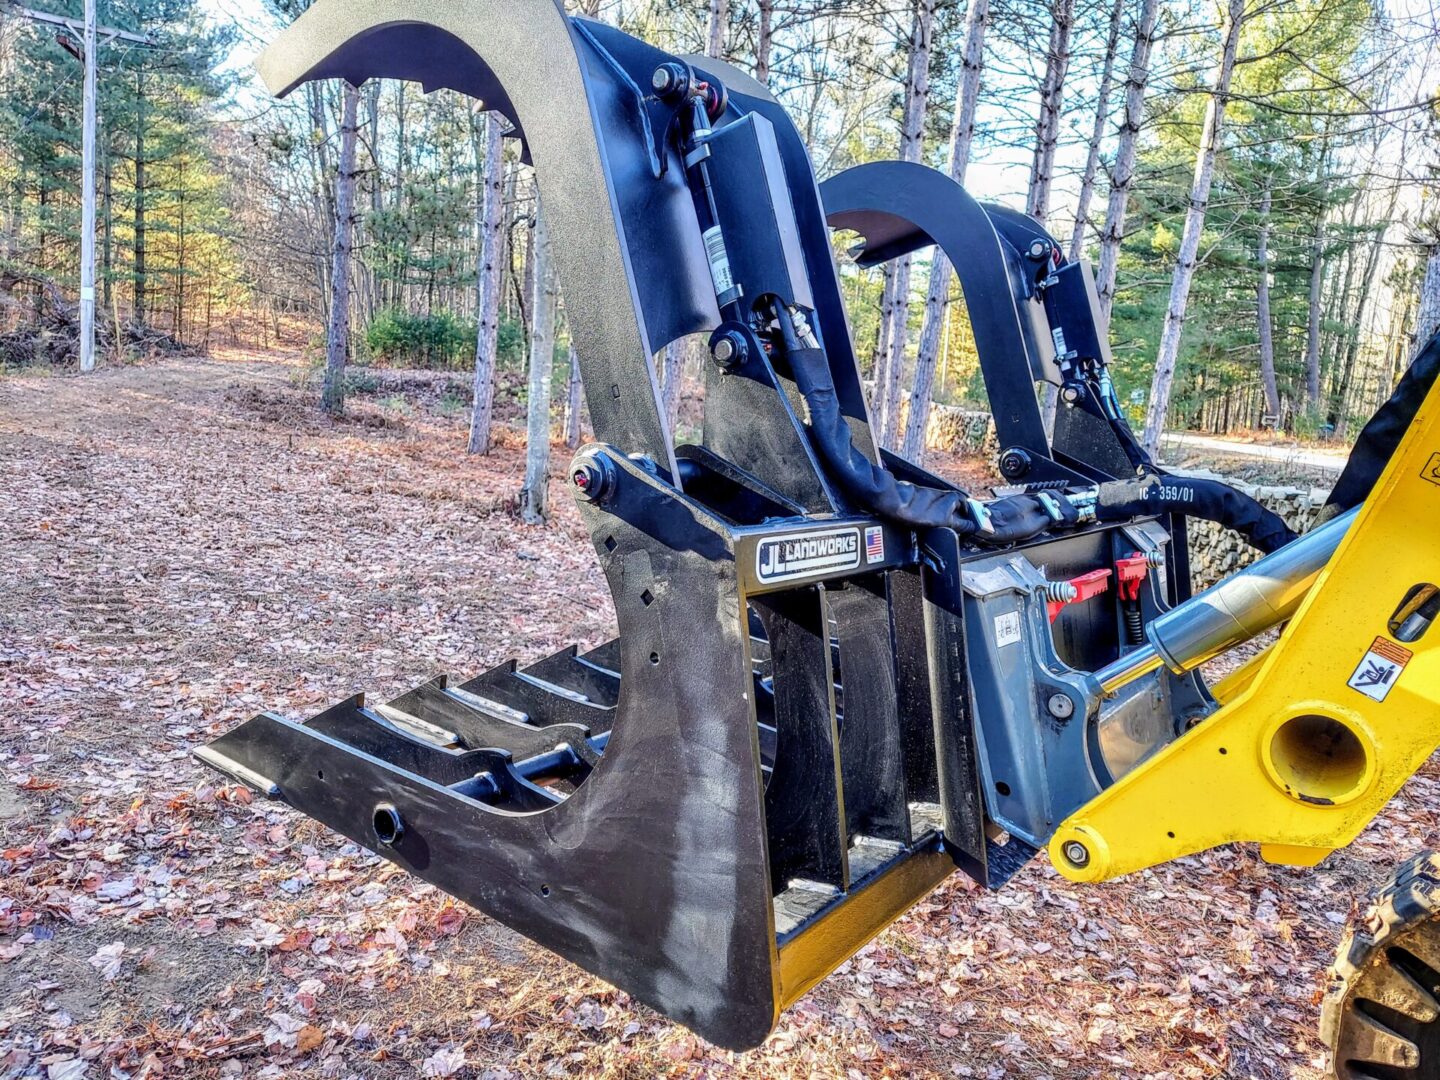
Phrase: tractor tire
pixel 1381 1015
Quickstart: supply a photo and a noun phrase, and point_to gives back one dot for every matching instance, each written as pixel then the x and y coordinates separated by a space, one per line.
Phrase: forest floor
pixel 187 544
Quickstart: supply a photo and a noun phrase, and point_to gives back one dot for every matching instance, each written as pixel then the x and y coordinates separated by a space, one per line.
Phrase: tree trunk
pixel 880 364
pixel 1097 133
pixel 1052 96
pixel 534 497
pixel 527 272
pixel 372 278
pixel 1427 316
pixel 764 39
pixel 1123 175
pixel 1266 325
pixel 1312 327
pixel 107 215
pixel 1211 139
pixel 1396 352
pixel 1047 139
pixel 672 375
pixel 337 342
pixel 1362 306
pixel 140 239
pixel 324 193
pixel 574 403
pixel 912 138
pixel 491 240
pixel 937 297
pixel 715 32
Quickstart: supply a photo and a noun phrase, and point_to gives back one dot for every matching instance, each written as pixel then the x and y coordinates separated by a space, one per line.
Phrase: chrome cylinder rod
pixel 1236 610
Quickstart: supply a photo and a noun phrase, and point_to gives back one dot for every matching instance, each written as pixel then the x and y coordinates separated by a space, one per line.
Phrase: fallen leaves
pixel 203 563
pixel 446 1062
pixel 451 920
pixel 108 960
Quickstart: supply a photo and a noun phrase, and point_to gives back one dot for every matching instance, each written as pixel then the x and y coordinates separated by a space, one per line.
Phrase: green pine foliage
pixel 165 234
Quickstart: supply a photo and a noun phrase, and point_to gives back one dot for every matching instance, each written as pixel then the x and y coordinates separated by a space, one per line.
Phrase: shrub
pixel 436 341
pixel 510 344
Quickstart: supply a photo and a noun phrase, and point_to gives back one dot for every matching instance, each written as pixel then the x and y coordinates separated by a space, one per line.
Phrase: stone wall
pixel 961 431
pixel 1216 551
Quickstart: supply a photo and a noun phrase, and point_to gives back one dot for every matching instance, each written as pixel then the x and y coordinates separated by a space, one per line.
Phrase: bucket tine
pixel 541 703
pixel 477 728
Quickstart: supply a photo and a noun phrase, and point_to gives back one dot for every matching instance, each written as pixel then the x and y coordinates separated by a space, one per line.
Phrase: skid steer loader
pixel 838 678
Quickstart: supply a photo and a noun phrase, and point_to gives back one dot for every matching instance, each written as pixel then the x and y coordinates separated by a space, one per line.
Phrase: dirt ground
pixel 187 544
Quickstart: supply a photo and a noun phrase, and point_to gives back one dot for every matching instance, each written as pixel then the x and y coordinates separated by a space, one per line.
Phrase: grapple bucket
pixel 711 812
pixel 817 707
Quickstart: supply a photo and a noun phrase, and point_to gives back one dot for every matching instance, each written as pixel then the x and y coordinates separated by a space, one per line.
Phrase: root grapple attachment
pixel 838 679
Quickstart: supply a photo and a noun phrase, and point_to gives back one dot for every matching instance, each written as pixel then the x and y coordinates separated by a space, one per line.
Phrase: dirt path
pixel 1298 460
pixel 187 544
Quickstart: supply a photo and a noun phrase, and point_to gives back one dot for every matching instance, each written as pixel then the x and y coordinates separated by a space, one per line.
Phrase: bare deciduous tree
pixel 1427 315
pixel 491 240
pixel 912 136
pixel 715 31
pixel 1211 138
pixel 534 497
pixel 337 344
pixel 1052 101
pixel 1122 176
pixel 764 39
pixel 1265 324
pixel 962 137
pixel 1097 133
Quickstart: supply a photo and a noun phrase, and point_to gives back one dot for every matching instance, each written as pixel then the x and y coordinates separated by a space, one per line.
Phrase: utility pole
pixel 90 52
pixel 87 199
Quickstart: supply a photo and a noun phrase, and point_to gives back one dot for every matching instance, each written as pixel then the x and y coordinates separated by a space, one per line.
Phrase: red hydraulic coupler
pixel 1132 574
pixel 1077 590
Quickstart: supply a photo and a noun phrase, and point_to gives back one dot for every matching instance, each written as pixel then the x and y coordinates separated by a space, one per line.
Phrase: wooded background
pixel 1253 180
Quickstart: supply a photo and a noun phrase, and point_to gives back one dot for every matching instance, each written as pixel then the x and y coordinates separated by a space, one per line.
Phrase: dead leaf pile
pixel 187 545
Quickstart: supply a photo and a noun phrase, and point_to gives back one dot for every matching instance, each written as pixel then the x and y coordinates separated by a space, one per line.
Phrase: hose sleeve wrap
pixel 1209 500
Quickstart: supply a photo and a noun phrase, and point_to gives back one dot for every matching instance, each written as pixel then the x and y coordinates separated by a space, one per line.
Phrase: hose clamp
pixel 980 514
pixel 1086 504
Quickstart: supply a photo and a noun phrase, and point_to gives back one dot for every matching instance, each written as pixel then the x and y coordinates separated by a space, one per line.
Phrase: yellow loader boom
pixel 1320 731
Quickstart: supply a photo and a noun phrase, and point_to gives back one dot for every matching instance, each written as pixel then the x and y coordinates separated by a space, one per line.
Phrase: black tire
pixel 1381 1015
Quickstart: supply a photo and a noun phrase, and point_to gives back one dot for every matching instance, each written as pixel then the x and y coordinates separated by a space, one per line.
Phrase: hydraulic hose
pixel 1004 521
pixel 1209 500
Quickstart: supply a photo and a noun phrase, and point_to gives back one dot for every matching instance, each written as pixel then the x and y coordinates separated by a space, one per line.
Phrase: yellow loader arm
pixel 1318 734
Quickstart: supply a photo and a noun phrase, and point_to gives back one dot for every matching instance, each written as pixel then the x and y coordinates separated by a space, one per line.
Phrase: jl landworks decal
pixel 808 554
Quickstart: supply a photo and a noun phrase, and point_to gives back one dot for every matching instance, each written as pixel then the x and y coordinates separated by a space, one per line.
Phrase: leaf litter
pixel 188 544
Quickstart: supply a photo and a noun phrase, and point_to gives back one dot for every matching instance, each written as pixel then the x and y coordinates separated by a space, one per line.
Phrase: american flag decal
pixel 874 544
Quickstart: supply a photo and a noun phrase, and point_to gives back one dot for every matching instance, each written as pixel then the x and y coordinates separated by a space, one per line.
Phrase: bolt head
pixel 729 350
pixel 1039 249
pixel 1061 706
pixel 670 81
pixel 592 480
pixel 1015 463
pixel 1076 854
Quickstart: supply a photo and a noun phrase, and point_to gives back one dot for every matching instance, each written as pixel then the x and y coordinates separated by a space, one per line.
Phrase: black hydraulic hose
pixel 1210 500
pixel 876 488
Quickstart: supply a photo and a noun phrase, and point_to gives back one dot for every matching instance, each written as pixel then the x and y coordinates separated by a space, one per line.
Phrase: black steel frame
pixel 778 755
